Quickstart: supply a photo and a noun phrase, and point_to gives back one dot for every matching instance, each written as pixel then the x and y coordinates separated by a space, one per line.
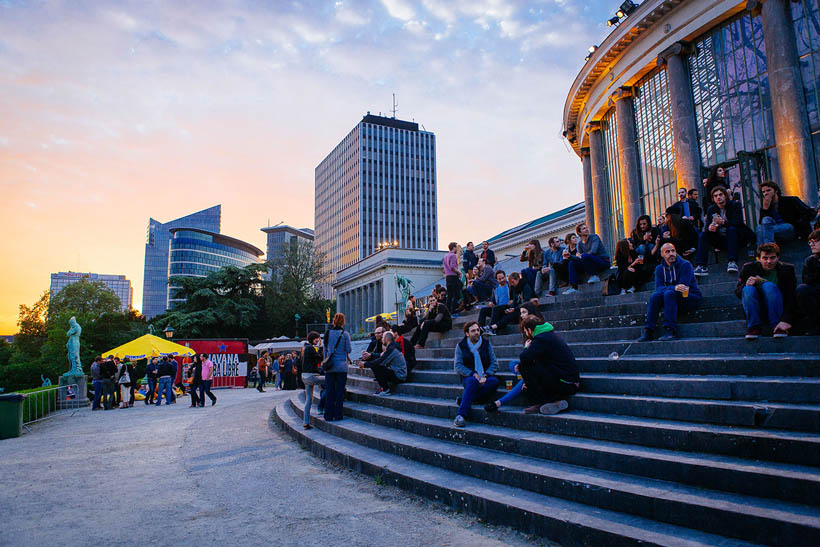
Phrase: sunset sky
pixel 112 113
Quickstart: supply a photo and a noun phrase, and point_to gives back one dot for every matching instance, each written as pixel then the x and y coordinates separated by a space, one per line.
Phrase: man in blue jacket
pixel 475 363
pixel 675 288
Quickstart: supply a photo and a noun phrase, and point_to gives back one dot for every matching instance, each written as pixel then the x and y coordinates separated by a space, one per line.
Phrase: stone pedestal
pixel 81 394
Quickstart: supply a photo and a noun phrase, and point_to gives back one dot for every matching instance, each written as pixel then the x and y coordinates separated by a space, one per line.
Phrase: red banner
pixel 230 358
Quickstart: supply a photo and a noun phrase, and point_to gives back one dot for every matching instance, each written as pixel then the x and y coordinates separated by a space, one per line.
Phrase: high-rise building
pixel 377 185
pixel 279 236
pixel 196 253
pixel 155 279
pixel 118 284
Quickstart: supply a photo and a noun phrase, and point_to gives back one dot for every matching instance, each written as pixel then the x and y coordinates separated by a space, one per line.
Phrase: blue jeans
pixel 517 388
pixel 164 387
pixel 672 301
pixel 768 230
pixel 481 290
pixel 529 274
pixel 473 389
pixel 152 387
pixel 767 299
pixel 310 379
pixel 334 395
pixel 644 249
pixel 205 389
pixel 588 263
pixel 552 275
pixel 97 393
pixel 730 241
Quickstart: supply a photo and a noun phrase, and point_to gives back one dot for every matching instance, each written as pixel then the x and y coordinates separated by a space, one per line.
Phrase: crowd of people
pixel 114 382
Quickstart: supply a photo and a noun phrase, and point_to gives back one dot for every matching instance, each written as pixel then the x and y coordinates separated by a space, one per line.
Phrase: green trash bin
pixel 11 415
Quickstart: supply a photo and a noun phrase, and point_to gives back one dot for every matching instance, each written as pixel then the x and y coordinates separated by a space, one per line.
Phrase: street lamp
pixel 168 332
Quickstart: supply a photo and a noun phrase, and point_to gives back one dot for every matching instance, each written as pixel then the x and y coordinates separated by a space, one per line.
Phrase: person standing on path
pixel 152 374
pixel 96 382
pixel 123 382
pixel 338 347
pixel 165 373
pixel 311 359
pixel 196 380
pixel 262 371
pixel 207 379
pixel 108 370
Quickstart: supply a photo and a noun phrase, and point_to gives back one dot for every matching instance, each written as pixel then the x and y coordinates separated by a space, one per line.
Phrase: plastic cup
pixel 686 292
pixel 509 384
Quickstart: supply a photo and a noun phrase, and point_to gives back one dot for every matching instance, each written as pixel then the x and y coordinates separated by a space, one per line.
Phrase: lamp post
pixel 168 332
pixel 296 316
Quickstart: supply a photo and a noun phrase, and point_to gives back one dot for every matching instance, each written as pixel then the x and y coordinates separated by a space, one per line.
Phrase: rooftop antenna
pixel 395 106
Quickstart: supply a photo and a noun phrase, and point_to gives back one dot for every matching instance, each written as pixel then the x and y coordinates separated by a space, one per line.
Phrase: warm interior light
pixel 620 14
pixel 592 49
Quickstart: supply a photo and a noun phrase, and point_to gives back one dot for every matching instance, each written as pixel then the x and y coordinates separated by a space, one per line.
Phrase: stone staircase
pixel 708 440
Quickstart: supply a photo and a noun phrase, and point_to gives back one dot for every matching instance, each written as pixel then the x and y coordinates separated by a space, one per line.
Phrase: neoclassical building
pixel 683 86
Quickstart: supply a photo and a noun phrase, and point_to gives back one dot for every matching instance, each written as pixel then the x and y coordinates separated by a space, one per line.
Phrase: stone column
pixel 588 201
pixel 628 157
pixel 795 153
pixel 599 190
pixel 682 109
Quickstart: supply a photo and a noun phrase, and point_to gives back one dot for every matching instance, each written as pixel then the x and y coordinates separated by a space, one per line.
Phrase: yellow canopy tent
pixel 148 346
pixel 387 316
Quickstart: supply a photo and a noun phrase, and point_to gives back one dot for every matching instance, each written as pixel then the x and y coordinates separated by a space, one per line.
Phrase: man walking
pixel 207 379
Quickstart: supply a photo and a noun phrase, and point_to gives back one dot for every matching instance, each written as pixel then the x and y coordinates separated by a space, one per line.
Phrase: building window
pixel 653 131
pixel 730 85
pixel 612 172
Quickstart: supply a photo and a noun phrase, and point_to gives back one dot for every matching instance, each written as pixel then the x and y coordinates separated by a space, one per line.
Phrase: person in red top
pixel 262 369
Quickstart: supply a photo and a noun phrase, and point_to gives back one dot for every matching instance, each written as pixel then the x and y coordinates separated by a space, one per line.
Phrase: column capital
pixel 621 93
pixel 593 126
pixel 678 48
pixel 585 152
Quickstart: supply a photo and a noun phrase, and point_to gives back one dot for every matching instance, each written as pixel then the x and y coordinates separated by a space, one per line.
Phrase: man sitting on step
pixel 406 348
pixel 594 258
pixel 438 319
pixel 475 363
pixel 724 229
pixel 766 287
pixel 498 304
pixel 675 287
pixel 389 368
pixel 520 292
pixel 547 367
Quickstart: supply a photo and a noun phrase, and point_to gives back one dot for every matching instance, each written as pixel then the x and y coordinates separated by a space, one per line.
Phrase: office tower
pixel 279 236
pixel 377 185
pixel 117 283
pixel 196 253
pixel 155 279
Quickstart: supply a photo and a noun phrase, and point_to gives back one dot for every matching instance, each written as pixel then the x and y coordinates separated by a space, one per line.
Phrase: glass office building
pixel 118 284
pixel 377 185
pixel 278 237
pixel 696 92
pixel 196 253
pixel 155 278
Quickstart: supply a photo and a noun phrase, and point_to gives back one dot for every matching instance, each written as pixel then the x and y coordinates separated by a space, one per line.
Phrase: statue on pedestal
pixel 73 347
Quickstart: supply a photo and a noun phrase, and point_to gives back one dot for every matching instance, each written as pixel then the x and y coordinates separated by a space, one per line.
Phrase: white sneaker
pixel 570 291
pixel 623 292
pixel 593 279
pixel 701 271
pixel 553 408
pixel 731 267
pixel 459 421
pixel 630 290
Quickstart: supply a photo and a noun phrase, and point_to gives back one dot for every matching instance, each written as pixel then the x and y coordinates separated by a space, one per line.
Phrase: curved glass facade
pixel 653 131
pixel 196 254
pixel 612 172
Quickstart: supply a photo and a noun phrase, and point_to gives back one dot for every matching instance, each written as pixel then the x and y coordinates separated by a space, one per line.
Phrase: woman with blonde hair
pixel 336 358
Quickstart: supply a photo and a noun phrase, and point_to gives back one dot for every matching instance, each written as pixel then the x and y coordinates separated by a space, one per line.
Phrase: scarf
pixel 479 366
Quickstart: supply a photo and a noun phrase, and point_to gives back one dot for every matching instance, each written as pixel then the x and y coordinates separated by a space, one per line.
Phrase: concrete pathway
pixel 217 475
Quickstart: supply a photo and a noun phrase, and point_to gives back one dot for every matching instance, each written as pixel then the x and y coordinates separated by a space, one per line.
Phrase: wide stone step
pixel 797 417
pixel 711 329
pixel 792 483
pixel 708 510
pixel 559 520
pixel 754 443
pixel 737 388
pixel 590 295
pixel 724 345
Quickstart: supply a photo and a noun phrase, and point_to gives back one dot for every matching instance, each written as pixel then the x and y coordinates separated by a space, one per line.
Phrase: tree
pixel 32 324
pixel 227 303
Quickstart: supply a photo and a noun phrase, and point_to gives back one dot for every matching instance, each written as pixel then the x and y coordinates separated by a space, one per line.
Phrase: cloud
pixel 399 9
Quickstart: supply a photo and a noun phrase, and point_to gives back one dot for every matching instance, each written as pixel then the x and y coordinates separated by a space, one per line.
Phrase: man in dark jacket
pixel 96 382
pixel 808 293
pixel 108 370
pixel 438 319
pixel 520 292
pixel 375 347
pixel 390 367
pixel 475 363
pixel 766 287
pixel 166 372
pixel 686 208
pixel 782 218
pixel 152 374
pixel 724 229
pixel 675 288
pixel 468 257
pixel 548 368
pixel 487 254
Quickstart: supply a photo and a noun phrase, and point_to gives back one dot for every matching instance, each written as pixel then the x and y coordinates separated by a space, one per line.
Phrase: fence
pixel 46 403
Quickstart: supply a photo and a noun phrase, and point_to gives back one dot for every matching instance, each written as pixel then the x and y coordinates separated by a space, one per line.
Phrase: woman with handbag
pixel 337 356
pixel 196 380
pixel 311 370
